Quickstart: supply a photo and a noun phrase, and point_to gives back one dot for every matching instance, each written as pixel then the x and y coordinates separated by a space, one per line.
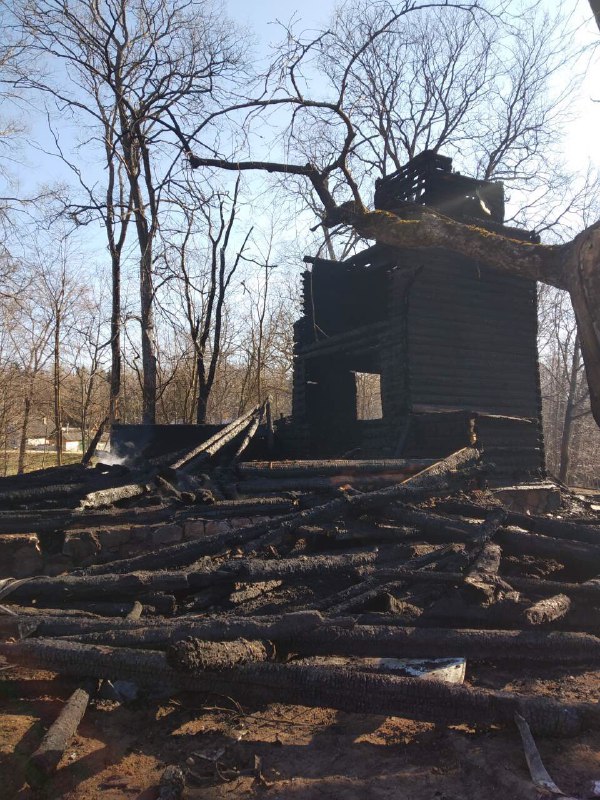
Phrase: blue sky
pixel 580 141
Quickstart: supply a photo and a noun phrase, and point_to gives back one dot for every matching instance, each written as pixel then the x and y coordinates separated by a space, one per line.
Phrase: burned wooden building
pixel 448 344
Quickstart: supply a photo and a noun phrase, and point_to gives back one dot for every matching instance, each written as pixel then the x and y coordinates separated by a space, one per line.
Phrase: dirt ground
pixel 286 752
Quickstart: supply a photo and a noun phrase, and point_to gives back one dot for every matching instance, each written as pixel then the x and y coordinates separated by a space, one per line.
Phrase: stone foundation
pixel 23 555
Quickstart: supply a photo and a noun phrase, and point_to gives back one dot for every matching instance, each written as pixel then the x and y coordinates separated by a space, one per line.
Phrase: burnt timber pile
pixel 327 560
pixel 278 594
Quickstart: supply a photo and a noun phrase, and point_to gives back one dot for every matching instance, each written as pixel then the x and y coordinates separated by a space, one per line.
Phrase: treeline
pixel 55 358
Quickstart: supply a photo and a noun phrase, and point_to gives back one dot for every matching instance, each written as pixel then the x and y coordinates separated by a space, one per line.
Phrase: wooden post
pixel 270 429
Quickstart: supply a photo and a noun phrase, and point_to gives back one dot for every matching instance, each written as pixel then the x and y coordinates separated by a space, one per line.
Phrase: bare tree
pixel 463 82
pixel 28 324
pixel 266 345
pixel 204 276
pixel 87 395
pixel 573 266
pixel 129 66
pixel 56 290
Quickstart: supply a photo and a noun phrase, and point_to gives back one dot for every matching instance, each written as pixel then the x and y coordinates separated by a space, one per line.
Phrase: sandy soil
pixel 286 752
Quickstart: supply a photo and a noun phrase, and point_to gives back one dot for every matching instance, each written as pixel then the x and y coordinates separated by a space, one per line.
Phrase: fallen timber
pixel 211 446
pixel 401 592
pixel 44 761
pixel 550 526
pixel 548 610
pixel 193 654
pixel 305 469
pixel 537 586
pixel 64 519
pixel 311 634
pixel 332 687
pixel 318 484
pixel 579 555
pixel 277 627
pixel 436 478
pixel 385 641
pixel 202 576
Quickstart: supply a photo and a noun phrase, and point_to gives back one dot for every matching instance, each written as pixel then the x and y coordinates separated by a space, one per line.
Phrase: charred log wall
pixel 447 336
pixel 471 338
pixel 453 341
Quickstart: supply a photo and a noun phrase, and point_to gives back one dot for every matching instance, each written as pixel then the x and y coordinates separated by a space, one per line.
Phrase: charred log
pixel 548 610
pixel 195 655
pixel 331 687
pixel 43 763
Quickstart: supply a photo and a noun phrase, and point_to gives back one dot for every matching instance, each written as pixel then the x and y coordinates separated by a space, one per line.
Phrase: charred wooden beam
pixel 356 597
pixel 434 478
pixel 223 628
pixel 44 761
pixel 361 481
pixel 331 687
pixel 579 555
pixel 488 560
pixel 37 494
pixel 437 477
pixel 536 586
pixel 212 446
pixel 310 634
pixel 584 558
pixel 548 610
pixel 256 570
pixel 65 519
pixel 130 584
pixel 434 525
pixel 575 531
pixel 315 468
pixel 153 602
pixel 191 655
pixel 248 436
pixel 106 497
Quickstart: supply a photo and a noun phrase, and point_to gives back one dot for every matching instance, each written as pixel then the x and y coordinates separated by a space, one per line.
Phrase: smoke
pixel 112 459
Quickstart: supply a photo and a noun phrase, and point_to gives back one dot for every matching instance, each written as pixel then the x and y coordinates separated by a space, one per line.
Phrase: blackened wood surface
pixel 330 687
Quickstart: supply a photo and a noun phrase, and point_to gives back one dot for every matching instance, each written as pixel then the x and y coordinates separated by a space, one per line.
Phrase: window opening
pixel 368 395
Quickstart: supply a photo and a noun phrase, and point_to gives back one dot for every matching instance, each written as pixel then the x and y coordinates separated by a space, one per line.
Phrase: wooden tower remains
pixel 447 345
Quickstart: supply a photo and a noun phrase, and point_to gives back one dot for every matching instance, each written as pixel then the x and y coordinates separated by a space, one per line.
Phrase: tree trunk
pixel 115 340
pixel 57 399
pixel 582 271
pixel 203 393
pixel 23 443
pixel 134 151
pixel 565 441
pixel 148 334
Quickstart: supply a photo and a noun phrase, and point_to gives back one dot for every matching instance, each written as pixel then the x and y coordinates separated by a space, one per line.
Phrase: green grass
pixel 33 460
